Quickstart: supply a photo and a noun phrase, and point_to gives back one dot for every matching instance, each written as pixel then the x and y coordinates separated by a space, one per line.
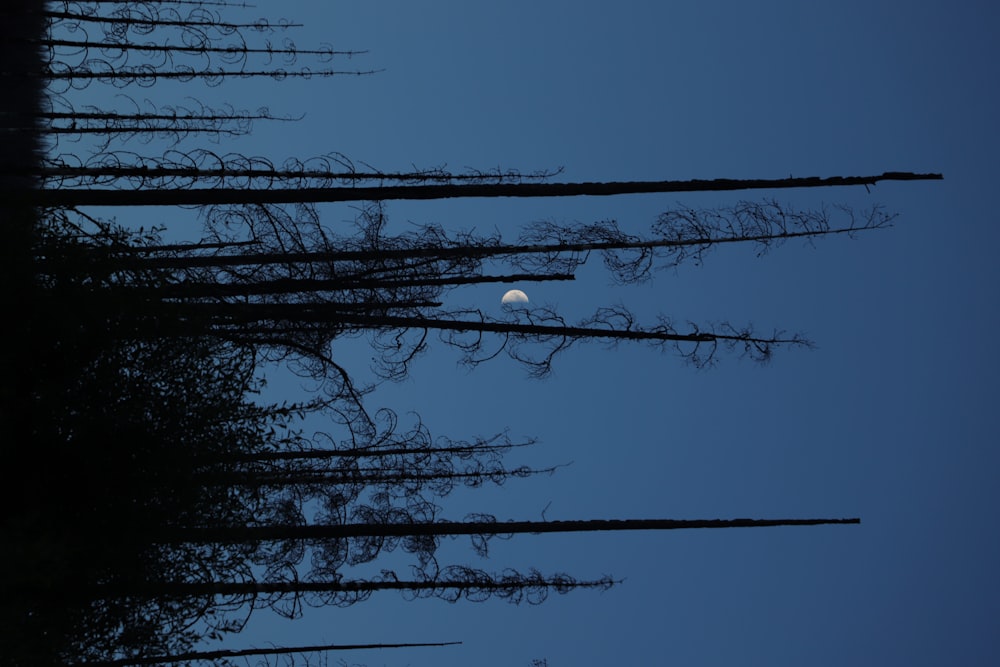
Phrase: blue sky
pixel 890 418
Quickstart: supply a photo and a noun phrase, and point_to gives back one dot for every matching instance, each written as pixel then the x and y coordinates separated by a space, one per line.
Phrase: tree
pixel 225 506
pixel 174 122
pixel 225 654
pixel 208 197
pixel 202 38
pixel 279 280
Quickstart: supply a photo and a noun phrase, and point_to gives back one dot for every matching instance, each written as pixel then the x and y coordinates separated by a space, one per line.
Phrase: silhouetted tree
pixel 203 168
pixel 217 196
pixel 185 504
pixel 189 31
pixel 225 654
pixel 279 281
pixel 172 123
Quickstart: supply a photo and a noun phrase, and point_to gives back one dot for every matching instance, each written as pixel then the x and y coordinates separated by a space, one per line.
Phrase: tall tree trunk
pixel 195 197
pixel 372 452
pixel 483 250
pixel 321 532
pixel 366 476
pixel 237 316
pixel 191 290
pixel 154 589
pixel 240 653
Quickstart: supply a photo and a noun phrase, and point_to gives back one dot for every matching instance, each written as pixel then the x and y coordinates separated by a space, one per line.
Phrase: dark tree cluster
pixel 157 501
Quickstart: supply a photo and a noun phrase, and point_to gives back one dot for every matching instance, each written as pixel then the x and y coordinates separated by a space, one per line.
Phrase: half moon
pixel 514 296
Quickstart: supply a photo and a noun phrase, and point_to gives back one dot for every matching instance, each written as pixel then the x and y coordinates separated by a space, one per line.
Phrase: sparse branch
pixel 207 169
pixel 147 121
pixel 227 114
pixel 136 19
pixel 368 477
pixel 314 285
pixel 452 584
pixel 195 49
pixel 550 333
pixel 678 234
pixel 378 452
pixel 146 76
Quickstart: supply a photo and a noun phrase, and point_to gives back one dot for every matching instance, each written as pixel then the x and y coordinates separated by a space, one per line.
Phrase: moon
pixel 514 296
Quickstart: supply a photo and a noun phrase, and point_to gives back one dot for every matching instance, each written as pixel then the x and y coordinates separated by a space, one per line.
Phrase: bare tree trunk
pixel 483 250
pixel 194 197
pixel 346 284
pixel 185 589
pixel 373 452
pixel 321 532
pixel 362 477
pixel 240 653
pixel 238 314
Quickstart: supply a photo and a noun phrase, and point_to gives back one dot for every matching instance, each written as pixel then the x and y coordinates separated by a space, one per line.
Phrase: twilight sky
pixel 890 418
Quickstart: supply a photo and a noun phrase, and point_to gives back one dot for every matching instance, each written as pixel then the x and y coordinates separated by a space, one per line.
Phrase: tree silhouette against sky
pixel 158 348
